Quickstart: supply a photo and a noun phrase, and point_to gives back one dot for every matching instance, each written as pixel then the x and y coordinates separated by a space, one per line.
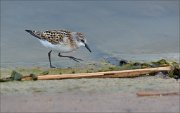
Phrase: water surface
pixel 133 30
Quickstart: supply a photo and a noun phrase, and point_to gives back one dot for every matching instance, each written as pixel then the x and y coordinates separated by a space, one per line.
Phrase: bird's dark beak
pixel 87 47
pixel 29 31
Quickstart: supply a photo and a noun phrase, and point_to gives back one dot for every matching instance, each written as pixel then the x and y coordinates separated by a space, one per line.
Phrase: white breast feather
pixel 58 48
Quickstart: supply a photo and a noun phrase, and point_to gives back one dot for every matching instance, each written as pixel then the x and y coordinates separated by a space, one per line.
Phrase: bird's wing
pixel 53 36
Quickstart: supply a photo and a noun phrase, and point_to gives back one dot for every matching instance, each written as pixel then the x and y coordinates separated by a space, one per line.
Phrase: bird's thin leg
pixel 71 57
pixel 49 56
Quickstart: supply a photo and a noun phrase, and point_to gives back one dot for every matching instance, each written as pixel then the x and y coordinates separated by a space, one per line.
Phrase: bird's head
pixel 81 41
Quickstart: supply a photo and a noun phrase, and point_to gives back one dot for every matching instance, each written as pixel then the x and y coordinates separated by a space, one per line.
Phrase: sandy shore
pixel 86 102
pixel 89 95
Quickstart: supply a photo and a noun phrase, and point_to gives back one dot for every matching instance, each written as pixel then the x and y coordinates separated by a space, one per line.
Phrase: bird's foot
pixel 71 57
pixel 75 59
pixel 52 66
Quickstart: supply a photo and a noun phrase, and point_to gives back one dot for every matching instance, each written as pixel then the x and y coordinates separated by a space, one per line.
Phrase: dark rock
pixel 123 62
pixel 115 61
pixel 34 77
pixel 176 77
pixel 176 73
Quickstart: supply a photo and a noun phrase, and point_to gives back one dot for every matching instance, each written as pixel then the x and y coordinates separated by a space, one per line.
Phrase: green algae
pixel 16 76
pixel 161 62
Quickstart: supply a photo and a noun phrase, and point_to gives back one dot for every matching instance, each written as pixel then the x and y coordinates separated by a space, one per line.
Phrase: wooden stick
pixel 68 76
pixel 148 93
pixel 109 74
pixel 135 72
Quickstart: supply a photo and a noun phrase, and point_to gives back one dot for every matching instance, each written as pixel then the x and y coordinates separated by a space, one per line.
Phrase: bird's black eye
pixel 82 41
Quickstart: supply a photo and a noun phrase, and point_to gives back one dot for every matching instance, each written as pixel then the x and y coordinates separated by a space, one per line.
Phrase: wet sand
pixel 86 102
pixel 89 95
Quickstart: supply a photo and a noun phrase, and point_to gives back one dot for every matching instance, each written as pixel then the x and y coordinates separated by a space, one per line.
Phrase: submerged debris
pixel 174 73
pixel 123 62
pixel 115 61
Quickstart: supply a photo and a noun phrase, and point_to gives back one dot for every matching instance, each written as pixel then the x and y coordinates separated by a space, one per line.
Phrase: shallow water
pixel 133 30
pixel 94 59
pixel 150 57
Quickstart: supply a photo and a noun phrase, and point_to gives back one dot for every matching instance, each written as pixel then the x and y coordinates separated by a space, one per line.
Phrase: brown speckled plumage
pixel 56 37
